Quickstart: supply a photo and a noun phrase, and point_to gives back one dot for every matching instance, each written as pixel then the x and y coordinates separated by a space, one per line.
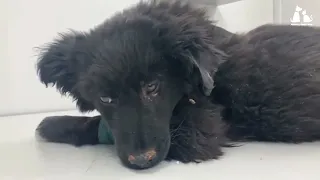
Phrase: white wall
pixel 3 54
pixel 244 15
pixel 30 23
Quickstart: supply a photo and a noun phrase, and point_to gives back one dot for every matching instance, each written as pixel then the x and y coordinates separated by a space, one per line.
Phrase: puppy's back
pixel 271 84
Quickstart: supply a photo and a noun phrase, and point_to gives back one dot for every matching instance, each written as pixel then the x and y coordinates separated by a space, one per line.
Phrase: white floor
pixel 22 157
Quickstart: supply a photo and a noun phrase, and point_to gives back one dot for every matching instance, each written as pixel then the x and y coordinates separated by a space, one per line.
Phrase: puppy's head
pixel 134 69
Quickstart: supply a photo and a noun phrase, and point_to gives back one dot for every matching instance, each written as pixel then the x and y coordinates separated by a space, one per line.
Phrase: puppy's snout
pixel 143 160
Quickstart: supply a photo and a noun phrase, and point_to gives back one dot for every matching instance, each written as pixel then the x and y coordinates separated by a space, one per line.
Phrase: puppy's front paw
pixel 198 135
pixel 69 129
pixel 197 153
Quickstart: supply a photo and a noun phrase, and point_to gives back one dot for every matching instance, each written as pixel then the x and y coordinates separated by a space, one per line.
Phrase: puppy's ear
pixel 205 65
pixel 191 38
pixel 205 77
pixel 61 62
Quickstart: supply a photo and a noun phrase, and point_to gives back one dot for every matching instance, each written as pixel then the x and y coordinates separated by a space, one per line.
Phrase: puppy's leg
pixel 75 130
pixel 197 133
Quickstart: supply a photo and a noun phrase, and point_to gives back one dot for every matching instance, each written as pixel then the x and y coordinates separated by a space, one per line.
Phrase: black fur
pixel 166 78
pixel 270 85
pixel 76 130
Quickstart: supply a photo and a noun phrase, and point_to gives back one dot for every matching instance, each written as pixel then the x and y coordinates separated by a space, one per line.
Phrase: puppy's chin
pixel 159 154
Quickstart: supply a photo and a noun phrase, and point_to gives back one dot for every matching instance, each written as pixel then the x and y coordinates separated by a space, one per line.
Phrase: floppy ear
pixel 205 77
pixel 191 38
pixel 60 64
pixel 206 64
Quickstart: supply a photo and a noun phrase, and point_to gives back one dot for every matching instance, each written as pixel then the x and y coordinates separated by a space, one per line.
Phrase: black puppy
pixel 161 73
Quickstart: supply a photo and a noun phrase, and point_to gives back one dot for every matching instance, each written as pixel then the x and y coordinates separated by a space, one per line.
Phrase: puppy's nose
pixel 143 160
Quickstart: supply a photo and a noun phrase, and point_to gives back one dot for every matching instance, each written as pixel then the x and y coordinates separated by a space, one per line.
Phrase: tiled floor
pixel 24 158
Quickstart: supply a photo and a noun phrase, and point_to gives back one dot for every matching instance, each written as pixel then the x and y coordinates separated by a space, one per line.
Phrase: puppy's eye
pixel 108 100
pixel 152 87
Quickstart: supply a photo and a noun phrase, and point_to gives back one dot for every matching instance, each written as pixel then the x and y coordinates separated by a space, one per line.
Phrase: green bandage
pixel 104 133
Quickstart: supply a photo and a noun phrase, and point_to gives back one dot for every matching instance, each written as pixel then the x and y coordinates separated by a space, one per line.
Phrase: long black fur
pixel 266 83
pixel 270 85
